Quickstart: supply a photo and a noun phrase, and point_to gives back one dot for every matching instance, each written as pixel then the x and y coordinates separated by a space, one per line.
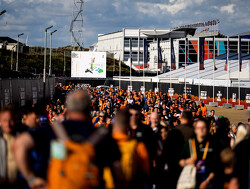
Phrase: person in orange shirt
pixel 139 162
pixel 96 117
pixel 203 110
pixel 101 121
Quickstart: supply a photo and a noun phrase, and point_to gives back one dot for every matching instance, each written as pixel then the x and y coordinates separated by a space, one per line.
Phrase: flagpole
pixel 214 64
pixel 143 71
pixel 170 62
pixel 119 73
pixel 199 68
pixel 228 77
pixel 157 84
pixel 185 68
pixel 239 57
pixel 130 45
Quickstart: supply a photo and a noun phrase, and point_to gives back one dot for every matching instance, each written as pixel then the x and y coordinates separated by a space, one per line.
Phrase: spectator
pixel 202 147
pixel 79 127
pixel 8 167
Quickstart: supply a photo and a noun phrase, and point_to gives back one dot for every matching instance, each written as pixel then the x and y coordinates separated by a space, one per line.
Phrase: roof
pixel 191 70
pixel 244 34
pixel 8 39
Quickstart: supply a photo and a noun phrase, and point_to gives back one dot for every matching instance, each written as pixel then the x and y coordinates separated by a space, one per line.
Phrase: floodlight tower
pixel 76 26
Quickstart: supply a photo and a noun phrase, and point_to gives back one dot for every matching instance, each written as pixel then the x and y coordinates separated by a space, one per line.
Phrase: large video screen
pixel 88 64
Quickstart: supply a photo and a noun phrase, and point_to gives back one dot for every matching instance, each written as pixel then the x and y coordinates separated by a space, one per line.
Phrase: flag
pixel 131 53
pixel 240 59
pixel 145 53
pixel 201 52
pixel 173 67
pixel 187 49
pixel 227 58
pixel 159 54
pixel 214 53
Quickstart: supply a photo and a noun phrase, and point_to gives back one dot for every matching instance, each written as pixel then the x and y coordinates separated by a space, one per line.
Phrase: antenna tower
pixel 76 26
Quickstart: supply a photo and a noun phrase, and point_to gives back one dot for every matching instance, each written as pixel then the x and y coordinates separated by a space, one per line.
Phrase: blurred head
pixel 212 112
pixel 186 118
pixel 164 133
pixel 78 105
pixel 121 122
pixel 7 121
pixel 31 117
pixel 154 119
pixel 201 128
pixel 134 115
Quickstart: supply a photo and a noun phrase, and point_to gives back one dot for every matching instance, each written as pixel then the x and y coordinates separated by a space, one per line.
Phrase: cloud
pixel 228 8
pixel 104 16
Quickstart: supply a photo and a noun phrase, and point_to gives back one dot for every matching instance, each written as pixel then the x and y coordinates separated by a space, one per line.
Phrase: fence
pixel 19 91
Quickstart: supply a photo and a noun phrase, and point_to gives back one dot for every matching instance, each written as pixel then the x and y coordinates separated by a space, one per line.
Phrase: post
pixel 131 55
pixel 64 63
pixel 113 64
pixel 17 51
pixel 170 62
pixel 239 57
pixel 199 89
pixel 119 73
pixel 157 67
pixel 50 54
pixel 50 70
pixel 143 65
pixel 228 76
pixel 44 68
pixel 138 53
pixel 185 68
pixel 214 63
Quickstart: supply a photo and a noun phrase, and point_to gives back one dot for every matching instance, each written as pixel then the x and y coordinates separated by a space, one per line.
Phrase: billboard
pixel 88 64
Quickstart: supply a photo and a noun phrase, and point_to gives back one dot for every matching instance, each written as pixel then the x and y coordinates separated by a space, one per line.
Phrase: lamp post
pixel 50 72
pixel 17 50
pixel 11 60
pixel 44 69
pixel 4 11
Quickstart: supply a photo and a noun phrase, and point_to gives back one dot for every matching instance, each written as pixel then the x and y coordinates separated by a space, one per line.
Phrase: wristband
pixel 31 179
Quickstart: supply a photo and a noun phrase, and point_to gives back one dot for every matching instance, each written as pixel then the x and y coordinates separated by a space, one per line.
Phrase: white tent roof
pixel 192 70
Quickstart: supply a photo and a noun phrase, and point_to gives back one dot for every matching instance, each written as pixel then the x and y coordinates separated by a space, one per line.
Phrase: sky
pixel 31 17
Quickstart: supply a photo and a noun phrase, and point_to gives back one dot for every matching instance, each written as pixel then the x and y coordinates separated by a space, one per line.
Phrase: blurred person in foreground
pixel 78 126
pixel 135 158
pixel 8 167
pixel 172 149
pixel 204 154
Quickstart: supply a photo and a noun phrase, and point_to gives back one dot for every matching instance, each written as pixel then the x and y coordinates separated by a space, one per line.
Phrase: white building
pixel 117 43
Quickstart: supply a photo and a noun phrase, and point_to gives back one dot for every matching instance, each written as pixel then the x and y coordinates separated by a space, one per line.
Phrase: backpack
pixel 128 163
pixel 71 163
pixel 128 159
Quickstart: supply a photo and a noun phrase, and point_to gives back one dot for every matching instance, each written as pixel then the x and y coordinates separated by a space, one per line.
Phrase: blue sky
pixel 31 17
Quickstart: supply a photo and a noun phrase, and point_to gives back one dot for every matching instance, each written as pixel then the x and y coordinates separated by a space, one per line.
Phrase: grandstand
pixel 206 76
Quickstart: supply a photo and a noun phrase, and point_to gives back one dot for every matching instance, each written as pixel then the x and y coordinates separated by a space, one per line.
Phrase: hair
pixel 248 119
pixel 78 101
pixel 134 107
pixel 8 108
pixel 122 119
pixel 29 109
pixel 187 115
pixel 227 157
pixel 205 121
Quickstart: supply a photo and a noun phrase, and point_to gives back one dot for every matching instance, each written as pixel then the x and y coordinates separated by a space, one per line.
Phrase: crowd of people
pixel 112 138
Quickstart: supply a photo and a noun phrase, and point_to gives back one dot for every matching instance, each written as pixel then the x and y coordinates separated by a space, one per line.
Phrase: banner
pixel 214 52
pixel 88 64
pixel 173 66
pixel 145 53
pixel 159 54
pixel 187 50
pixel 240 59
pixel 202 52
pixel 131 53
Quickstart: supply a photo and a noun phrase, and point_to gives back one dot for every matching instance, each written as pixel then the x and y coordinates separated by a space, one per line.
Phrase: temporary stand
pixel 227 105
pixel 213 104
